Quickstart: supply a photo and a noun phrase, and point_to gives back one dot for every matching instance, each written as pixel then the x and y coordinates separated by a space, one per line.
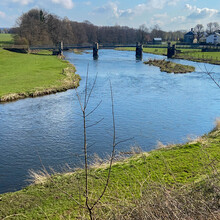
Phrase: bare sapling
pixel 90 205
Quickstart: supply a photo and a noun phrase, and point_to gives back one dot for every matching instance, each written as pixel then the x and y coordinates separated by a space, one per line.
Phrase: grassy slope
pixel 6 39
pixel 26 73
pixel 177 165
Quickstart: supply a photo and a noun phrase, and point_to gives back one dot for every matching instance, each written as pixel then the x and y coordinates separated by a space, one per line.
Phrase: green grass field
pixel 178 166
pixel 6 39
pixel 27 73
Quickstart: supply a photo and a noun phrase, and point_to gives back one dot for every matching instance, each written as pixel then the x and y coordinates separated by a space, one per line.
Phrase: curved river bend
pixel 150 106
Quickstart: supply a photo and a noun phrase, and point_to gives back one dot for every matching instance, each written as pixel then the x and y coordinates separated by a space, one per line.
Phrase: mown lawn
pixel 175 166
pixel 26 73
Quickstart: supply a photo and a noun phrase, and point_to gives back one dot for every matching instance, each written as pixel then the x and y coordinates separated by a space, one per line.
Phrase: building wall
pixel 213 39
pixel 188 38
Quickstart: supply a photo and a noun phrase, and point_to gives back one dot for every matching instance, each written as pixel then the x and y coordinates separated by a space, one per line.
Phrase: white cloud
pixel 112 9
pixel 2 14
pixel 23 2
pixel 68 4
pixel 178 19
pixel 160 4
pixel 200 13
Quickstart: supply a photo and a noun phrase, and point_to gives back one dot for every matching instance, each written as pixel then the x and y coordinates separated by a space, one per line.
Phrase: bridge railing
pixel 13 46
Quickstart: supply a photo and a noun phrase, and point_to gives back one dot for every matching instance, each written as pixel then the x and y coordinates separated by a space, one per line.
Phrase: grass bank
pixel 170 67
pixel 185 54
pixel 205 57
pixel 6 39
pixel 31 75
pixel 173 182
pixel 157 51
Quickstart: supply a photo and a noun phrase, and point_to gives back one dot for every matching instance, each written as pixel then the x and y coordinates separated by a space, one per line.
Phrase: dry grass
pixel 196 201
pixel 217 124
pixel 170 67
pixel 38 177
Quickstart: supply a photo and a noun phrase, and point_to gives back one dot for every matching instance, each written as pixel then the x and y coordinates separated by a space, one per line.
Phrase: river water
pixel 150 106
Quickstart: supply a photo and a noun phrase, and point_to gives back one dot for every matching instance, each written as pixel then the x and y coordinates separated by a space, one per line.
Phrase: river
pixel 150 106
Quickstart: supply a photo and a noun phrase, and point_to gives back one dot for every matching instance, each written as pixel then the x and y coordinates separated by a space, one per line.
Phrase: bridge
pixel 58 50
pixel 171 49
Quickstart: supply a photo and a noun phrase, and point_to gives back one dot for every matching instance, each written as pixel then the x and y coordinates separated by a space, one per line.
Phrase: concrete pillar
pixel 61 48
pixel 174 50
pixel 139 50
pixel 95 50
pixel 171 51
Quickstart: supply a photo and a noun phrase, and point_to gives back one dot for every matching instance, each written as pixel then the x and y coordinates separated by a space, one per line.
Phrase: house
pixel 189 37
pixel 213 39
pixel 157 40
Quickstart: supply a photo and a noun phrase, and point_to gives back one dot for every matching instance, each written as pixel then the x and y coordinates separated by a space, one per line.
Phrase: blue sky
pixel 168 14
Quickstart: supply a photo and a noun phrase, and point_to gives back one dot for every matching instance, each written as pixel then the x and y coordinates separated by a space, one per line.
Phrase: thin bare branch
pixel 89 126
pixel 93 85
pixel 113 150
pixel 123 141
pixel 94 109
pixel 86 87
pixel 209 73
pixel 79 100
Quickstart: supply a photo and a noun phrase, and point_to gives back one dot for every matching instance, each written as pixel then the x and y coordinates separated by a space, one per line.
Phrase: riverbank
pixel 170 67
pixel 32 75
pixel 184 54
pixel 173 182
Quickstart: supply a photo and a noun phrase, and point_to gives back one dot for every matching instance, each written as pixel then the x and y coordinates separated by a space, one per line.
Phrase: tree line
pixel 200 31
pixel 38 27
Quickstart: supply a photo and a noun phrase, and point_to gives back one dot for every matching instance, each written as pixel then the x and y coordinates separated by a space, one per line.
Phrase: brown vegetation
pixel 170 67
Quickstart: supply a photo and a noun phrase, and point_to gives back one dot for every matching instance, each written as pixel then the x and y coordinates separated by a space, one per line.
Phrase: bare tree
pixel 212 27
pixel 142 33
pixel 84 104
pixel 199 30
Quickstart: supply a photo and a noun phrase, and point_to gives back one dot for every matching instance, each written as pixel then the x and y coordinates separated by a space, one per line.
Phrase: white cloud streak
pixel 68 4
pixel 23 2
pixel 160 4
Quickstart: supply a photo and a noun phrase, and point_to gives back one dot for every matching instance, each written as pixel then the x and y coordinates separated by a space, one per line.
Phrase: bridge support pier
pixel 95 50
pixel 61 48
pixel 139 50
pixel 171 51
